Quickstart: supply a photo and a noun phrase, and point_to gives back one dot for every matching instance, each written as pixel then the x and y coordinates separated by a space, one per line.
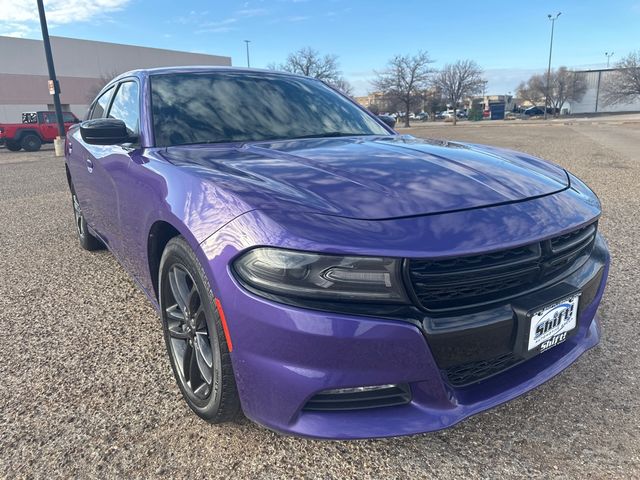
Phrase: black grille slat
pixel 466 281
pixel 575 239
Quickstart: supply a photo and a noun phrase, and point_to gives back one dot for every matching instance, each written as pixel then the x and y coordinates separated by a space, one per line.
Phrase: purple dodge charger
pixel 323 274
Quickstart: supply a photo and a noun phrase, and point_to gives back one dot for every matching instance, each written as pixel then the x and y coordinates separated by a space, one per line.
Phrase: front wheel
pixel 194 335
pixel 13 146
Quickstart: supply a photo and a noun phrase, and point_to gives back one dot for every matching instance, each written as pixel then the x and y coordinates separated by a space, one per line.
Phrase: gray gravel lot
pixel 86 388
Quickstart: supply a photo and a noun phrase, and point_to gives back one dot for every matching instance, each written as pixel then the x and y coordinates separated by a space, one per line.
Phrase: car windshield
pixel 217 107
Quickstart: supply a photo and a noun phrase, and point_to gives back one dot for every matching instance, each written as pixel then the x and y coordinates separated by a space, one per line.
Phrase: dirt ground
pixel 86 388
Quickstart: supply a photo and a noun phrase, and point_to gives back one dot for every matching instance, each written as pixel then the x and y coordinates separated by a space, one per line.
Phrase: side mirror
pixel 387 120
pixel 105 131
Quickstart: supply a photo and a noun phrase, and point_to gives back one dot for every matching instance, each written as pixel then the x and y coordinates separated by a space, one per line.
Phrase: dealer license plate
pixel 550 325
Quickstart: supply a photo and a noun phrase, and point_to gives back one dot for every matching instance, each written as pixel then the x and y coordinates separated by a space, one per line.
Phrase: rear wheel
pixel 194 335
pixel 31 142
pixel 13 146
pixel 87 241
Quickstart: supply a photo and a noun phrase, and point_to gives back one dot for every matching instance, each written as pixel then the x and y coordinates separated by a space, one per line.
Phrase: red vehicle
pixel 36 128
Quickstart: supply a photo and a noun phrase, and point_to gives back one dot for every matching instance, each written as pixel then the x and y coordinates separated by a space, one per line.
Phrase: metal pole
pixel 598 90
pixel 52 70
pixel 248 42
pixel 546 99
pixel 608 55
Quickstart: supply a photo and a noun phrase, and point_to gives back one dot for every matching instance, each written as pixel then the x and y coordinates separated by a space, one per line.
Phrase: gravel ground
pixel 86 388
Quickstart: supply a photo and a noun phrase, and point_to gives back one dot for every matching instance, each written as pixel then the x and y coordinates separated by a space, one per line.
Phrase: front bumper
pixel 284 355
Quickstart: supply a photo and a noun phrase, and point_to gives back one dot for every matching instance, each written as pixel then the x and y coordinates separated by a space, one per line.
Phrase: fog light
pixel 359 398
pixel 358 389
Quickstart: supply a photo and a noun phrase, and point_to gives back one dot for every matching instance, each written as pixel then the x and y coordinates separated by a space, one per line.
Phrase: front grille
pixel 384 397
pixel 471 372
pixel 462 282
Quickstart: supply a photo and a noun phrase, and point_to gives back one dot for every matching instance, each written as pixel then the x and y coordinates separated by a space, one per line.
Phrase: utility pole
pixel 553 23
pixel 54 86
pixel 248 42
pixel 608 55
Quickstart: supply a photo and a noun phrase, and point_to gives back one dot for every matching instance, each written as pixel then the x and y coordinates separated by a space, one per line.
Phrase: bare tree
pixel 404 79
pixel 459 80
pixel 311 63
pixel 623 84
pixel 433 101
pixel 532 90
pixel 564 86
pixel 99 84
pixel 343 85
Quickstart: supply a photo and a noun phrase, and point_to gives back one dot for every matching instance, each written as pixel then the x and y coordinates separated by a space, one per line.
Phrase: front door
pixel 81 162
pixel 111 164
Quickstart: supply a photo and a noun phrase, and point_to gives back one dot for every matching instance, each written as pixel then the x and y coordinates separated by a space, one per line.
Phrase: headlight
pixel 301 275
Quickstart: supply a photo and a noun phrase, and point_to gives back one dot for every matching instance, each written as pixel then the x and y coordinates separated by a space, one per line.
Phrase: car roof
pixel 145 72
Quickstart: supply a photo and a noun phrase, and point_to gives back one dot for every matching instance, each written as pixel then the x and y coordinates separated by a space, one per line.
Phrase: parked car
pixel 388 120
pixel 533 111
pixel 422 116
pixel 323 274
pixel 36 128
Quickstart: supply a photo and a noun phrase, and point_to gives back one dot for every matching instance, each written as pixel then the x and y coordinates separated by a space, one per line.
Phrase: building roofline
pixel 610 69
pixel 84 40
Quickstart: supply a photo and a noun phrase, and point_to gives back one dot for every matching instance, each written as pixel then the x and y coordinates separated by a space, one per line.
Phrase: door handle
pixel 89 165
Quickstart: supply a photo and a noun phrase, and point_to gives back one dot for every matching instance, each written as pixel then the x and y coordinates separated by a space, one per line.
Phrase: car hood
pixel 370 177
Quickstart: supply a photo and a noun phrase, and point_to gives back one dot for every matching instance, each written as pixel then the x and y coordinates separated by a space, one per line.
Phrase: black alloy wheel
pixel 190 342
pixel 194 336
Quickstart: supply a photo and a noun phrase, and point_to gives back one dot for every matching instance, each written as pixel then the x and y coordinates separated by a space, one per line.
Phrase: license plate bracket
pixel 551 324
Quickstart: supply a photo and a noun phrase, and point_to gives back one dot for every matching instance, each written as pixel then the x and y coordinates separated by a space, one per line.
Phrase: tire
pixel 87 241
pixel 31 142
pixel 13 146
pixel 194 335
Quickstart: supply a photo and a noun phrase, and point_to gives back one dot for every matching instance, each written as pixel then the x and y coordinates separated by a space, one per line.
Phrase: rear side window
pixel 68 117
pixel 125 106
pixel 101 104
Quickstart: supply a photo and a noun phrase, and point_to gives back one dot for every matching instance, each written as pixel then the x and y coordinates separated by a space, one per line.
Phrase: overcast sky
pixel 509 39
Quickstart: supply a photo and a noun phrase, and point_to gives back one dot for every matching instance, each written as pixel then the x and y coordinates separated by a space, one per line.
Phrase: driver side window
pixel 100 107
pixel 125 106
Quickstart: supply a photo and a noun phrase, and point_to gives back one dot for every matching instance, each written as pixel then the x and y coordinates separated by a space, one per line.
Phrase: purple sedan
pixel 323 274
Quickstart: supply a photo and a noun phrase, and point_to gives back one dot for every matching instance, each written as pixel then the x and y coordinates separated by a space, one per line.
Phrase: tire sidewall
pixel 87 241
pixel 13 146
pixel 178 252
pixel 31 142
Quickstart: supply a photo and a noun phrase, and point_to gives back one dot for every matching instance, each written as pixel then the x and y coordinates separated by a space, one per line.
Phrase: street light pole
pixel 553 23
pixel 52 70
pixel 608 55
pixel 248 42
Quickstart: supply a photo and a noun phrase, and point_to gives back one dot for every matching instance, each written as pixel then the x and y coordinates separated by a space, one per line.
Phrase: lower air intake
pixel 359 398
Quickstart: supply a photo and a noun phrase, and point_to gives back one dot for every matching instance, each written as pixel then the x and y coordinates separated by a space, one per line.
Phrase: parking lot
pixel 86 388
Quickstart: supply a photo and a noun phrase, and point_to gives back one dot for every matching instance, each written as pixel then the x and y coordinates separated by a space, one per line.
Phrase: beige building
pixel 81 67
pixel 378 99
